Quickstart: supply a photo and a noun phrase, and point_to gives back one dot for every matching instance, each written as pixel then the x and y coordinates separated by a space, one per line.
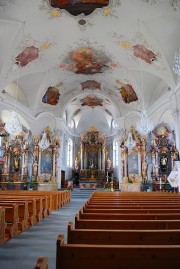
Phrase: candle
pixel 107 175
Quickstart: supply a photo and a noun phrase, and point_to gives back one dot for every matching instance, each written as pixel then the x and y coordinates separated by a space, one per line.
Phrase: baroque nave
pixel 89 98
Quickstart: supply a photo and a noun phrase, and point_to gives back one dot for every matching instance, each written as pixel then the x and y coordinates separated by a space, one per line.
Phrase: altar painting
pixel 46 163
pixel 133 163
pixel 93 158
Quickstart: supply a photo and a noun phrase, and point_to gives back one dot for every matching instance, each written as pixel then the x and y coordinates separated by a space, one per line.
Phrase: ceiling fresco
pixel 76 7
pixel 89 55
pixel 87 61
pixel 91 84
pixel 27 55
pixel 91 101
pixel 82 10
pixel 144 54
pixel 128 94
pixel 139 48
pixel 52 95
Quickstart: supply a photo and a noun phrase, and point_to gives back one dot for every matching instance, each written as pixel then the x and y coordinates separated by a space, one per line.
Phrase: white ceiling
pixel 107 39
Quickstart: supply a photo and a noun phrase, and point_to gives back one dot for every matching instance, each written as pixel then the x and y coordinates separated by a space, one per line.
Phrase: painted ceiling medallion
pixel 27 55
pixel 128 94
pixel 91 84
pixel 86 61
pixel 51 96
pixel 77 7
pixel 144 54
pixel 92 101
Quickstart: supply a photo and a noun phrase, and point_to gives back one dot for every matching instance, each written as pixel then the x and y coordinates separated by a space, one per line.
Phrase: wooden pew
pixel 131 210
pixel 58 198
pixel 22 224
pixel 88 256
pixel 133 194
pixel 32 206
pixel 130 216
pixel 42 263
pixel 11 220
pixel 144 206
pixel 2 225
pixel 122 237
pixel 126 224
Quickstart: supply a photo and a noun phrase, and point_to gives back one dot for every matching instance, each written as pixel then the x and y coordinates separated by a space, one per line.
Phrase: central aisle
pixel 22 251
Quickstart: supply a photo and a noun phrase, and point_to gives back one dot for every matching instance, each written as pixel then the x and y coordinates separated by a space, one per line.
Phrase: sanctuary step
pixel 81 194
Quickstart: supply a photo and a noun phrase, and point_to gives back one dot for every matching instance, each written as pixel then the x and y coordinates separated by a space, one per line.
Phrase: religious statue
pixel 76 164
pixel 16 162
pixel 5 169
pixel 144 168
pixel 109 163
pixel 35 168
pixel 163 163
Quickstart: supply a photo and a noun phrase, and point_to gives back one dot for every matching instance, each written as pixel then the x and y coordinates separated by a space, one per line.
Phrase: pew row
pixel 24 208
pixel 126 224
pixel 88 256
pixel 129 216
pixel 136 210
pixel 122 237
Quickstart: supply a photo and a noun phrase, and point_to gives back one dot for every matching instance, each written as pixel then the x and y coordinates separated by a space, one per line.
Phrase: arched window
pixel 69 152
pixel 115 153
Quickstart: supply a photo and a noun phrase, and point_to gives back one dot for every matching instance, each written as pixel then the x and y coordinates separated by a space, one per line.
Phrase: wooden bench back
pixel 87 256
pixel 126 224
pixel 122 237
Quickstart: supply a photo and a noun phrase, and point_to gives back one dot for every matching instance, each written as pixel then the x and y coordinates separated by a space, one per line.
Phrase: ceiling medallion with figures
pixel 77 7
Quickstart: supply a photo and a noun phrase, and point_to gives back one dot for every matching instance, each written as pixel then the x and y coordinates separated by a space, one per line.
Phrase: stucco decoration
pixel 50 11
pixel 55 12
pixel 174 3
pixel 139 48
pixel 108 112
pixel 76 7
pixel 87 61
pixel 77 112
pixel 29 53
pixel 5 3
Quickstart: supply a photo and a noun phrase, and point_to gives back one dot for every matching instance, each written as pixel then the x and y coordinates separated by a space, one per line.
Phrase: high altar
pixel 93 156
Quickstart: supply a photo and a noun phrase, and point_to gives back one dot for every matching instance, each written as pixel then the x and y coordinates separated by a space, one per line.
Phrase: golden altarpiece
pixel 133 162
pixel 92 159
pixel 163 155
pixel 23 164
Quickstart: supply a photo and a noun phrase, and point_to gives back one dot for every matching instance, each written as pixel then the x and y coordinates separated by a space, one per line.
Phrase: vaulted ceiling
pixel 90 70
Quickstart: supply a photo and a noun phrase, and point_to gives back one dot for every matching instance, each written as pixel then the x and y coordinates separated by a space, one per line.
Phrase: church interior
pixel 89 100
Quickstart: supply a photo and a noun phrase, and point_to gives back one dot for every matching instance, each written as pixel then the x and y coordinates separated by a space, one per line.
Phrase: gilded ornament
pixel 55 13
pixel 107 11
